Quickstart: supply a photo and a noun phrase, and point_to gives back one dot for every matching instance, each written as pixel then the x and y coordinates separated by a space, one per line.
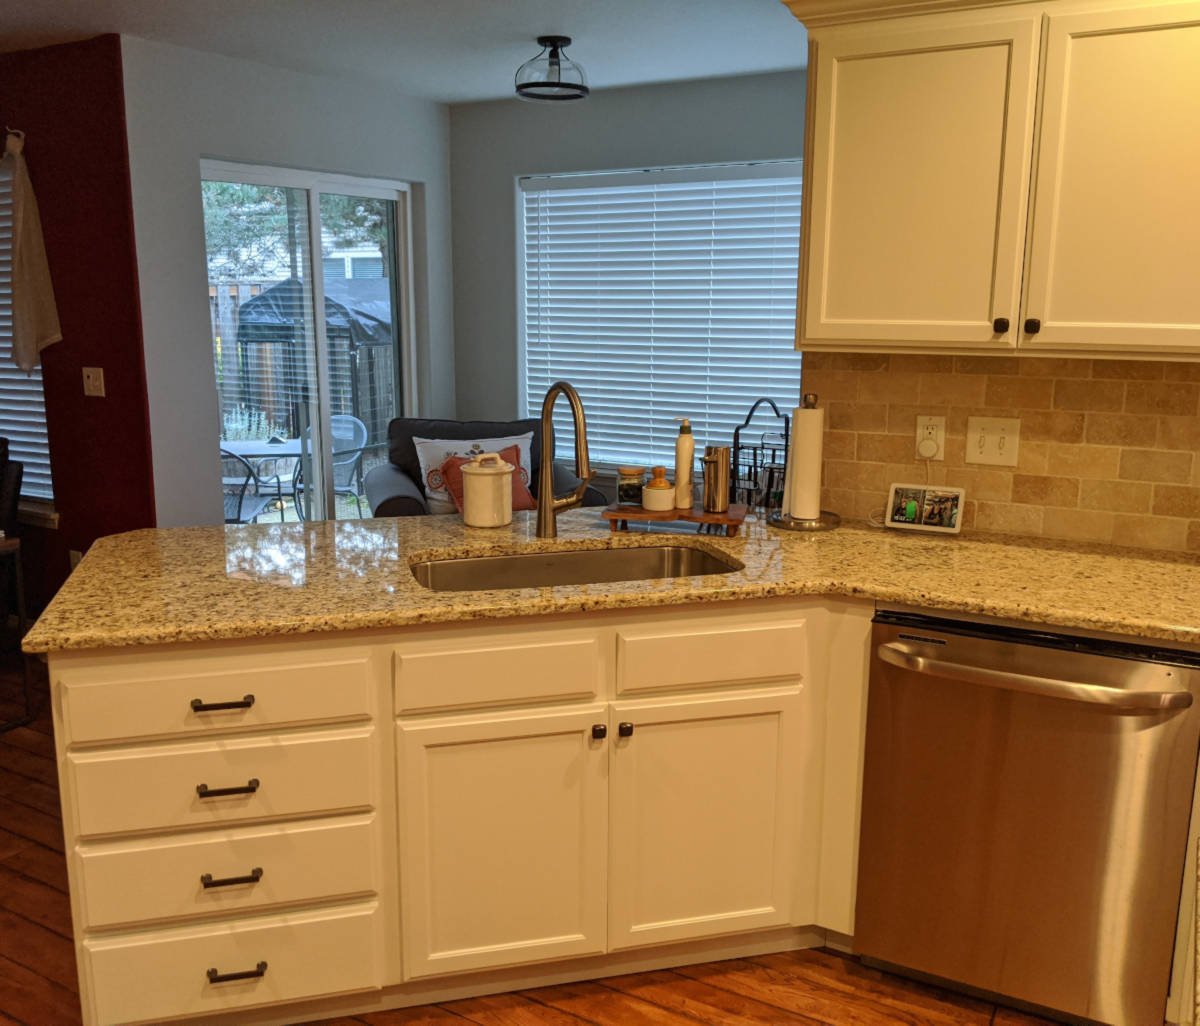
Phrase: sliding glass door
pixel 308 290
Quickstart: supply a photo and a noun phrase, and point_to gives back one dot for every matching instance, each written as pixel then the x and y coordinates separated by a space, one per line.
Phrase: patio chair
pixel 246 496
pixel 349 441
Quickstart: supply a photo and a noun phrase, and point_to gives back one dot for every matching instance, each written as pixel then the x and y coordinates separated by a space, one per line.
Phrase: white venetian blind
pixel 22 406
pixel 661 295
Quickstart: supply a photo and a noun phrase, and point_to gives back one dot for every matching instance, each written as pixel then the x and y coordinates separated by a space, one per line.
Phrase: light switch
pixel 994 440
pixel 93 381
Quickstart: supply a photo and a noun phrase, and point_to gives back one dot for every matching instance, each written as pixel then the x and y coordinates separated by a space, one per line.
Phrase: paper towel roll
pixel 802 480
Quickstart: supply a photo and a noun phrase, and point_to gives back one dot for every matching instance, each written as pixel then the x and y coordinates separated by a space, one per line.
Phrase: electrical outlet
pixel 93 381
pixel 994 440
pixel 931 438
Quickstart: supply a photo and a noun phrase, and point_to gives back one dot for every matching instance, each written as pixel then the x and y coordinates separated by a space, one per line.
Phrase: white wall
pixel 182 105
pixel 756 117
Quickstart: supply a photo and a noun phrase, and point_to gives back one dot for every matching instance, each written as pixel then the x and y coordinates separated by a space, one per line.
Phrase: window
pixel 659 295
pixel 22 406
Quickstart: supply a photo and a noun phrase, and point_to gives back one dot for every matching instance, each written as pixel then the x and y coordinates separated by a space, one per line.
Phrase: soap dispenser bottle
pixel 685 451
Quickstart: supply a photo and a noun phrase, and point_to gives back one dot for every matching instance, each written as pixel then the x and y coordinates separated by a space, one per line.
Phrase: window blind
pixel 660 298
pixel 22 405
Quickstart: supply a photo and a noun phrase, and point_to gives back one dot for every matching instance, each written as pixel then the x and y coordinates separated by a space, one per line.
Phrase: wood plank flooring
pixel 39 987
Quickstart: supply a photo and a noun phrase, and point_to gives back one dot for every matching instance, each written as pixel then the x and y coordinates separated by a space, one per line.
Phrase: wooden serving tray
pixel 618 516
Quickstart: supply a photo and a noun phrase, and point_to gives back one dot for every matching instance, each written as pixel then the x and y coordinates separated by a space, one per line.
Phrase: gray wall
pixel 756 117
pixel 182 105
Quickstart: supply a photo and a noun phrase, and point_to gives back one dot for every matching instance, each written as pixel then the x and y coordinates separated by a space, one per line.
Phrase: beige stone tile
pixel 1120 429
pixel 885 448
pixel 906 473
pixel 812 359
pixel 1108 396
pixel 1008 518
pixel 846 416
pixel 865 505
pixel 1116 496
pixel 983 485
pixel 1150 532
pixel 952 389
pixel 986 365
pixel 1193 536
pixel 838 499
pixel 1054 367
pixel 1019 392
pixel 1093 461
pixel 1181 371
pixel 888 388
pixel 1128 370
pixel 863 362
pixel 1176 501
pixel 967 517
pixel 1033 457
pixel 839 445
pixel 844 474
pixel 1056 426
pixel 1177 399
pixel 1078 525
pixel 954 451
pixel 1179 432
pixel 1156 465
pixel 830 385
pixel 908 364
pixel 1045 491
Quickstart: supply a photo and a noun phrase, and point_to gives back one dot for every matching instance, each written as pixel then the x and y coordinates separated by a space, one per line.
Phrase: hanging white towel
pixel 35 316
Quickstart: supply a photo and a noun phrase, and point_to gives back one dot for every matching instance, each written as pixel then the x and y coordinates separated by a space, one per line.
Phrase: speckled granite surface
pixel 208 583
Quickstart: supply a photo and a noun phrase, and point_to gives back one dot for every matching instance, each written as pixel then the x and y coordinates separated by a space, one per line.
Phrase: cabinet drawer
pixel 155 788
pixel 141 881
pixel 156 700
pixel 692 654
pixel 541 667
pixel 164 973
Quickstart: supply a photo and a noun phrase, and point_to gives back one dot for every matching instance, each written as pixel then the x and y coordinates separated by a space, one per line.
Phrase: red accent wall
pixel 70 102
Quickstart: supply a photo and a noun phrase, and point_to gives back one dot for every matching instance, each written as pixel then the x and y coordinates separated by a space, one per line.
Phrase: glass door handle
pixel 1073 691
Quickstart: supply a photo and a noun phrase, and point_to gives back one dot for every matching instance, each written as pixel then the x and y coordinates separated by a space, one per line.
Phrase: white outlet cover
pixel 995 441
pixel 931 428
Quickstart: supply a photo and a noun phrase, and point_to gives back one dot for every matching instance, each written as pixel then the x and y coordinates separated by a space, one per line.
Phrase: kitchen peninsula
pixel 297 783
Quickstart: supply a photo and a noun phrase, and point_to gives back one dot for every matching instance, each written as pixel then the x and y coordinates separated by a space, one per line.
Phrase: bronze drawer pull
pixel 198 705
pixel 204 791
pixel 253 877
pixel 218 977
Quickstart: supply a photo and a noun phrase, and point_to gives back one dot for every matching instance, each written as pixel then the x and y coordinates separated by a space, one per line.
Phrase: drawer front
pixel 680 654
pixel 539 668
pixel 247 869
pixel 164 973
pixel 158 701
pixel 156 788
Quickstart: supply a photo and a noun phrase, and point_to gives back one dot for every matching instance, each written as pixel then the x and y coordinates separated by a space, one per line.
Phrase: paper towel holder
pixel 827 521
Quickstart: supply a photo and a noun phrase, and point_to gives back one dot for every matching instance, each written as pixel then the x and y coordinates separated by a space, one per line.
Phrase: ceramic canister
pixel 487 491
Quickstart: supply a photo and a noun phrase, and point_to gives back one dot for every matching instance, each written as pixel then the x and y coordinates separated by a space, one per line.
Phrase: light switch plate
pixel 993 440
pixel 93 381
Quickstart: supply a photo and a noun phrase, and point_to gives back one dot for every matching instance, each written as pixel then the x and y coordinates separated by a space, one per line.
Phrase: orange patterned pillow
pixel 452 475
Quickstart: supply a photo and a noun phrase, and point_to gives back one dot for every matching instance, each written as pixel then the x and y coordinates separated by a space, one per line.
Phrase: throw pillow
pixel 432 454
pixel 452 475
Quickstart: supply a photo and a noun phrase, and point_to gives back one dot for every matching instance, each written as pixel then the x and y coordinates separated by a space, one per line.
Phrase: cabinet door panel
pixel 918 183
pixel 1115 247
pixel 702 808
pixel 503 834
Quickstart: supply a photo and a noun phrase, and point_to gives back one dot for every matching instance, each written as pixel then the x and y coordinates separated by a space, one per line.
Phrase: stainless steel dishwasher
pixel 1026 798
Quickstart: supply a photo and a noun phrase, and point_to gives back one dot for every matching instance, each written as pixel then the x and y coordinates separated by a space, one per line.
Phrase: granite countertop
pixel 210 583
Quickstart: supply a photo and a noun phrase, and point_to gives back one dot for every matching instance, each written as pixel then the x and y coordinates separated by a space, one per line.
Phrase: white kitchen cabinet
pixel 917 175
pixel 922 232
pixel 503 834
pixel 1114 254
pixel 702 816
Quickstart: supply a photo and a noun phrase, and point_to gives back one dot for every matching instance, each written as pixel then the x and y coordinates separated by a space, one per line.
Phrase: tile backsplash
pixel 1108 448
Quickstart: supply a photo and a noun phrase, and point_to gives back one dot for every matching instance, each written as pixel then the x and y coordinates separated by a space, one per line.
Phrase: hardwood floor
pixel 38 984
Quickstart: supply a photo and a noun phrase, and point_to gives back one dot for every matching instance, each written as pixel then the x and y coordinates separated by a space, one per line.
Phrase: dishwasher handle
pixel 1073 691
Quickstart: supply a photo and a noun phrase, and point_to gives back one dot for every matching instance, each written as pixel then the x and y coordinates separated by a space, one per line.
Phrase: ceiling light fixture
pixel 551 75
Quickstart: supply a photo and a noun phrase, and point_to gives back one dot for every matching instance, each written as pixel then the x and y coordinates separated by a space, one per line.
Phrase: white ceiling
pixel 446 50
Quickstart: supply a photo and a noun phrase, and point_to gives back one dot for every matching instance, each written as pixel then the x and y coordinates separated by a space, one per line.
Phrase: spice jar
pixel 629 485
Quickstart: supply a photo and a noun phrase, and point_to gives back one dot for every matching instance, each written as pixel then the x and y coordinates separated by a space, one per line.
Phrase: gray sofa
pixel 394 489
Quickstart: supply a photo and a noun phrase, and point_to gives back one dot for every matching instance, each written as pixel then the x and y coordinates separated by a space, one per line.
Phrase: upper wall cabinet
pixel 965 195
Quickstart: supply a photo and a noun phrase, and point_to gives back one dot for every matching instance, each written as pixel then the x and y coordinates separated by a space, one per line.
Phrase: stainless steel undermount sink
pixel 570 566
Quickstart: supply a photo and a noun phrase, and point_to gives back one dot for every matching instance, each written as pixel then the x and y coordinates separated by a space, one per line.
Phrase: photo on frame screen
pixel 908 506
pixel 941 509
